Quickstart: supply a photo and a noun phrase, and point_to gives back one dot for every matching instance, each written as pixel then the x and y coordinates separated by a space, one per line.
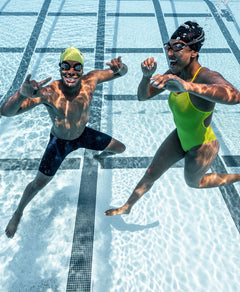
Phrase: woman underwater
pixel 194 90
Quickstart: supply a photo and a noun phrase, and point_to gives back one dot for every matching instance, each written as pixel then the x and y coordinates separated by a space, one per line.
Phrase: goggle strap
pixel 197 40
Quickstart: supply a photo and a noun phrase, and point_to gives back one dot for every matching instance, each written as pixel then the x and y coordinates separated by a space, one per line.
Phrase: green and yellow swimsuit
pixel 189 120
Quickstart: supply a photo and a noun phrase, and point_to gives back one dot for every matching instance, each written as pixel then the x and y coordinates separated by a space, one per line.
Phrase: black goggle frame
pixel 179 46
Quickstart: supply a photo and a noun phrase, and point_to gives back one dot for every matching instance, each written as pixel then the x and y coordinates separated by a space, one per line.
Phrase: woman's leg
pixel 198 160
pixel 168 153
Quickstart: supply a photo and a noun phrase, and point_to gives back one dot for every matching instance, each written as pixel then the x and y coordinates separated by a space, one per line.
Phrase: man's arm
pixel 117 69
pixel 26 98
pixel 145 89
pixel 212 87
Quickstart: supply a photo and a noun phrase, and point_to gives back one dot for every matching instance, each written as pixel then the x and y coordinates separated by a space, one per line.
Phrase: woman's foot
pixel 118 211
pixel 13 224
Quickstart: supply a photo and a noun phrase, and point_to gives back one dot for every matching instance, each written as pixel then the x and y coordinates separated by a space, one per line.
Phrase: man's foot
pixel 118 211
pixel 13 224
pixel 100 160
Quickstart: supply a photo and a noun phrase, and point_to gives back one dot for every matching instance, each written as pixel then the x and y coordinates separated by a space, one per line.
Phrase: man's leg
pixel 168 153
pixel 114 147
pixel 198 160
pixel 40 181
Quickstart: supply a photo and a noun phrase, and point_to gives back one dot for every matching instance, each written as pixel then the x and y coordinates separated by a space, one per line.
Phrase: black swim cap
pixel 190 32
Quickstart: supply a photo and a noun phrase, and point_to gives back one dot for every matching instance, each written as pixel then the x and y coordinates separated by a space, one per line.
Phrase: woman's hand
pixel 170 82
pixel 149 66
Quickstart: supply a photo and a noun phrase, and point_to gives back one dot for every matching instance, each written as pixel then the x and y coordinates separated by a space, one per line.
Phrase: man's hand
pixel 32 88
pixel 117 66
pixel 149 66
pixel 170 82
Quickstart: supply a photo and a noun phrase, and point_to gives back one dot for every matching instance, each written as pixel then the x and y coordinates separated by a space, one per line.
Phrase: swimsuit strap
pixel 196 73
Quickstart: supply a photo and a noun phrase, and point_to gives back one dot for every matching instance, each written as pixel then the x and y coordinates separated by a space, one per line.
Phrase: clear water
pixel 176 238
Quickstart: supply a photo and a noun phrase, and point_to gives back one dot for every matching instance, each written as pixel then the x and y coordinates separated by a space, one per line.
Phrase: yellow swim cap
pixel 72 54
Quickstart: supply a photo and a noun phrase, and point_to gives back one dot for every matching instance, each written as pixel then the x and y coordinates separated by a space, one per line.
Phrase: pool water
pixel 176 238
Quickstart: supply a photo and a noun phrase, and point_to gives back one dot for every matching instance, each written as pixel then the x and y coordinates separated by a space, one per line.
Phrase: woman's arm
pixel 211 86
pixel 145 89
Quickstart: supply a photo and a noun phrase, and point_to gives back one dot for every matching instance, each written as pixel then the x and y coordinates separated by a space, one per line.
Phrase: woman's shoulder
pixel 208 76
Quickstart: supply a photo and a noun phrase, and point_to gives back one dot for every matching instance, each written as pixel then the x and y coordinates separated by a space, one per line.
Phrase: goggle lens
pixel 66 66
pixel 175 47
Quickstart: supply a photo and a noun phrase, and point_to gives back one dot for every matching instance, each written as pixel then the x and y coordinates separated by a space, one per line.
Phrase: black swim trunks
pixel 57 149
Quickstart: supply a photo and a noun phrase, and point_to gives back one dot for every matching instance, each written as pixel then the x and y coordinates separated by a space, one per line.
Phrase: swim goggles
pixel 179 46
pixel 66 66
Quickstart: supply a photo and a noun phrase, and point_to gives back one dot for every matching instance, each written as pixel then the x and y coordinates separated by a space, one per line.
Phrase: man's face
pixel 71 73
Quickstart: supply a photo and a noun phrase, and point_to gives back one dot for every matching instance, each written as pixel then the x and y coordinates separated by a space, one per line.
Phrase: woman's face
pixel 179 55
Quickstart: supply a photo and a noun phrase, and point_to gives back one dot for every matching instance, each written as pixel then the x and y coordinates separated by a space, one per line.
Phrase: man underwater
pixel 68 103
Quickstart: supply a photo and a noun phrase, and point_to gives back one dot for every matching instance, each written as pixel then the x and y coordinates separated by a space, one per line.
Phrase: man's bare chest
pixel 70 107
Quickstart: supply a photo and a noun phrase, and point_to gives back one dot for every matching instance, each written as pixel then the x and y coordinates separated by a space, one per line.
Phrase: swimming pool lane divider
pixel 80 268
pixel 229 192
pixel 23 66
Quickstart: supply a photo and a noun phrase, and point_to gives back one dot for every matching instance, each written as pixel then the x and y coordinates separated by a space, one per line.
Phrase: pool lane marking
pixel 161 22
pixel 110 50
pixel 59 50
pixel 175 15
pixel 131 14
pixel 23 66
pixel 218 165
pixel 11 50
pixel 80 268
pixel 134 50
pixel 11 164
pixel 233 17
pixel 229 193
pixel 132 162
pixel 165 14
pixel 18 13
pixel 225 31
pixel 4 5
pixel 72 14
pixel 133 97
